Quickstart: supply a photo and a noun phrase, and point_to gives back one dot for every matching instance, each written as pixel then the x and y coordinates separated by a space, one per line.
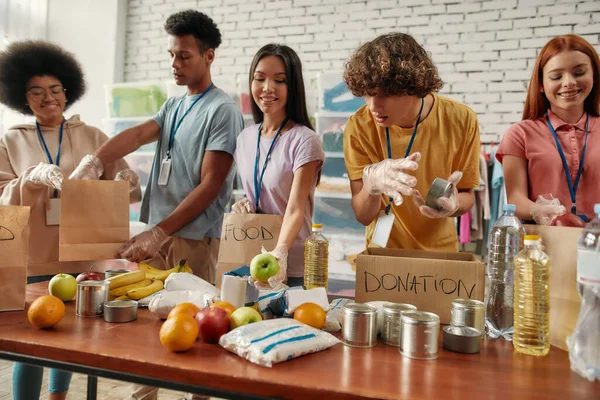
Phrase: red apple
pixel 87 276
pixel 212 324
pixel 568 219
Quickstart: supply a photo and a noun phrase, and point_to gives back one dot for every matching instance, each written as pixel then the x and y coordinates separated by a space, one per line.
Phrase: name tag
pixel 165 172
pixel 53 213
pixel 383 229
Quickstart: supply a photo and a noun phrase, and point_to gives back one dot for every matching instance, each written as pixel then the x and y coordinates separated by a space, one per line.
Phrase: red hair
pixel 536 103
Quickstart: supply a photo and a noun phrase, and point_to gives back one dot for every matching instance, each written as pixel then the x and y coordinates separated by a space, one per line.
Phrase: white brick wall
pixel 484 49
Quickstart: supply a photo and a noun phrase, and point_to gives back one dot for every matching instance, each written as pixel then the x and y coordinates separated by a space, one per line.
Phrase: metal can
pixel 467 312
pixel 420 333
pixel 109 273
pixel 391 333
pixel 359 325
pixel 91 296
pixel 120 311
pixel 439 188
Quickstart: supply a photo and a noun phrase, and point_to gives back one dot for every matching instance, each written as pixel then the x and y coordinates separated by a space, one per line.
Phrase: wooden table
pixel 132 352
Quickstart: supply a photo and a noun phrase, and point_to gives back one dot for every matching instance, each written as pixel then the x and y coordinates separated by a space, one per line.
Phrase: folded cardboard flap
pixel 429 280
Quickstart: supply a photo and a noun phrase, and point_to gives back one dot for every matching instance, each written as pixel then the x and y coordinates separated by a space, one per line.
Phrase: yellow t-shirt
pixel 448 140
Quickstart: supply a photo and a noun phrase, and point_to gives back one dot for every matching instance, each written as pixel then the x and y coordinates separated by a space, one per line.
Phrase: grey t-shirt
pixel 213 124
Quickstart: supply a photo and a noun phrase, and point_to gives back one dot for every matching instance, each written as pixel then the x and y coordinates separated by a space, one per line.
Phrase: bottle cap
pixel 317 226
pixel 597 209
pixel 531 239
pixel 509 208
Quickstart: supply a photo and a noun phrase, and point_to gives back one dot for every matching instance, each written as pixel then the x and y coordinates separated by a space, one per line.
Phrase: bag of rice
pixel 273 341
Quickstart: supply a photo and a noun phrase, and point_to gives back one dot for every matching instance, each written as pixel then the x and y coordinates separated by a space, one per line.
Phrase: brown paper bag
pixel 561 246
pixel 94 219
pixel 14 246
pixel 242 237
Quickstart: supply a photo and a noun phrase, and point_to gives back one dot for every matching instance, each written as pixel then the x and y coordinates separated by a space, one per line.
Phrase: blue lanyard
pixel 407 152
pixel 572 186
pixel 60 137
pixel 258 180
pixel 175 128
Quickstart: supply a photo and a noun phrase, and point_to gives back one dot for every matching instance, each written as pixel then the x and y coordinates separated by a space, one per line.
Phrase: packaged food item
pixel 273 341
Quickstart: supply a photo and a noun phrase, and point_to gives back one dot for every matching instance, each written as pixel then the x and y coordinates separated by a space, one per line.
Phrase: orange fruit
pixel 225 306
pixel 179 333
pixel 46 311
pixel 184 308
pixel 310 314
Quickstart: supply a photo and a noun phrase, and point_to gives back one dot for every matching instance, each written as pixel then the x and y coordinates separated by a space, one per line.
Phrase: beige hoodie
pixel 20 151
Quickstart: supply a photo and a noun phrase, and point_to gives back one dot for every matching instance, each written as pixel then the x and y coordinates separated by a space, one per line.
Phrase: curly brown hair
pixel 393 64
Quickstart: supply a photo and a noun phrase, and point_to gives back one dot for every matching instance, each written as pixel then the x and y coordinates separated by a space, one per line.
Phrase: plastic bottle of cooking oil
pixel 532 299
pixel 316 255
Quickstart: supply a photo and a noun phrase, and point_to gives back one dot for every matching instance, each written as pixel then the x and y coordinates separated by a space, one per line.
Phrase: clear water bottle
pixel 506 240
pixel 532 299
pixel 316 259
pixel 584 343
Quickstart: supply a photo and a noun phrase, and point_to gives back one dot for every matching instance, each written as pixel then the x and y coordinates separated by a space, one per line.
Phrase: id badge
pixel 383 229
pixel 53 213
pixel 165 171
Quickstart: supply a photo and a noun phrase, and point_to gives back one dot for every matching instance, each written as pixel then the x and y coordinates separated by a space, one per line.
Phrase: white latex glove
pixel 448 205
pixel 243 206
pixel 546 209
pixel 281 254
pixel 143 246
pixel 129 176
pixel 388 177
pixel 90 168
pixel 46 174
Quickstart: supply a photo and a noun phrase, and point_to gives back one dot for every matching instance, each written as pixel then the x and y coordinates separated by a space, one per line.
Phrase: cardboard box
pixel 560 243
pixel 429 280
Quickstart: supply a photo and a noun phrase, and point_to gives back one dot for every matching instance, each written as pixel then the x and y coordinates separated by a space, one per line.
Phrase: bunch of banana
pixel 140 293
pixel 161 275
pixel 128 278
pixel 134 285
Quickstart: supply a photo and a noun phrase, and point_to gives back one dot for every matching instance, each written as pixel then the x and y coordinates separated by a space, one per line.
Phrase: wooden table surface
pixel 339 372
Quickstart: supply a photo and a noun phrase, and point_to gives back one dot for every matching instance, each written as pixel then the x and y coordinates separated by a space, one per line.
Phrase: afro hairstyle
pixel 197 24
pixel 21 61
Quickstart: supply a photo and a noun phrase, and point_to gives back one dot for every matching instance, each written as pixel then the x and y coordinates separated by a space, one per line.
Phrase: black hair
pixel 295 108
pixel 21 61
pixel 197 24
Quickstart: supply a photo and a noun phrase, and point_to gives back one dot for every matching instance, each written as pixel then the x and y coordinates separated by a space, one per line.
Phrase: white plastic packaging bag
pixel 187 281
pixel 165 301
pixel 332 320
pixel 273 341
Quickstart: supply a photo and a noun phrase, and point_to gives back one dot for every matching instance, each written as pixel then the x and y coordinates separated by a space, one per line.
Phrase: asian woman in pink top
pixel 555 150
pixel 279 159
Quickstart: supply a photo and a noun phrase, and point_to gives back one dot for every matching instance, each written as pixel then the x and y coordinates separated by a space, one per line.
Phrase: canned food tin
pixel 109 273
pixel 461 339
pixel 467 312
pixel 420 333
pixel 439 188
pixel 120 311
pixel 91 296
pixel 359 325
pixel 391 333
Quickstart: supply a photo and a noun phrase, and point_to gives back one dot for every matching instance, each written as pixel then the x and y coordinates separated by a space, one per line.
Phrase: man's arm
pixel 215 168
pixel 128 141
pixel 466 201
pixel 366 206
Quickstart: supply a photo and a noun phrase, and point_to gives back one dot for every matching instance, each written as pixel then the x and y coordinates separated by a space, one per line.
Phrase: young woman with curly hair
pixel 555 149
pixel 43 80
pixel 401 140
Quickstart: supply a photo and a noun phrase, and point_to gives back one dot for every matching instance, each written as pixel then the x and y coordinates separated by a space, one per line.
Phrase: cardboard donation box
pixel 242 237
pixel 560 243
pixel 428 280
pixel 94 219
pixel 14 250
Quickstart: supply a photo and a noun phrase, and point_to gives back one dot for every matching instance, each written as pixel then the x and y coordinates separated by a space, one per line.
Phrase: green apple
pixel 264 266
pixel 63 286
pixel 243 316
